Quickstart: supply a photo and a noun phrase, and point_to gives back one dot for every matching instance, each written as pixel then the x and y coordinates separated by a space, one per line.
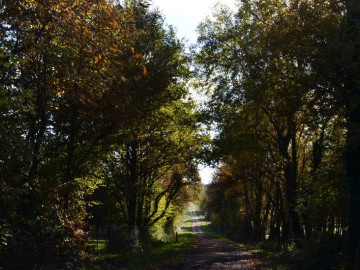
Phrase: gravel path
pixel 212 253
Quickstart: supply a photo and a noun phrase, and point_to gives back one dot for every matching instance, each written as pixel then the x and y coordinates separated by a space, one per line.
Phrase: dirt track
pixel 213 253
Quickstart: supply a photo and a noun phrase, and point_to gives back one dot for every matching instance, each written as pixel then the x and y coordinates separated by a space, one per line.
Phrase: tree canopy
pixel 84 86
pixel 99 133
pixel 277 74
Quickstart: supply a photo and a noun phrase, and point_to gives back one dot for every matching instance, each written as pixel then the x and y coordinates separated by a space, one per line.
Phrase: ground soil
pixel 212 253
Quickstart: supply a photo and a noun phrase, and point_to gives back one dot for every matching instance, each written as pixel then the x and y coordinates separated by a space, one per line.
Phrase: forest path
pixel 214 253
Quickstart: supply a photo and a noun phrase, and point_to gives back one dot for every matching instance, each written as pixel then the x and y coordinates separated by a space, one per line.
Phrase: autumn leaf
pixel 137 56
pixel 82 101
pixel 86 31
pixel 112 24
pixel 78 21
pixel 114 48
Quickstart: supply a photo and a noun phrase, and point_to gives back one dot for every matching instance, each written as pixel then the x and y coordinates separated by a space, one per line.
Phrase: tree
pixel 71 76
pixel 152 163
pixel 349 59
pixel 46 71
pixel 260 64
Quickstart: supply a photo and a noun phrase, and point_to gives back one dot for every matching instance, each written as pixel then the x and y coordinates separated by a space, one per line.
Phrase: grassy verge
pixel 270 253
pixel 98 246
pixel 315 253
pixel 172 249
pixel 209 230
pixel 141 260
pixel 322 252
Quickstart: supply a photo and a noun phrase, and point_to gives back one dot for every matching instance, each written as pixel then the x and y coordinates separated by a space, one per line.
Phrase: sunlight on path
pixel 214 253
pixel 197 222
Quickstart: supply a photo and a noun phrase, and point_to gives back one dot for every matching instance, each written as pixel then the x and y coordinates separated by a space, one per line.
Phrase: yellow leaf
pixel 112 24
pixel 86 31
pixel 132 50
pixel 60 93
pixel 137 56
pixel 114 48
pixel 78 21
pixel 145 71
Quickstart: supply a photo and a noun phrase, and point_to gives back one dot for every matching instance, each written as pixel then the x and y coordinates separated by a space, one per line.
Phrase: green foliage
pixel 75 79
pixel 322 251
pixel 267 69
pixel 283 83
pixel 153 256
pixel 152 173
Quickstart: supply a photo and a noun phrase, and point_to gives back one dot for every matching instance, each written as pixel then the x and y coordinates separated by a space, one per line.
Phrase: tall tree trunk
pixel 290 175
pixel 132 186
pixel 352 161
pixel 277 215
pixel 258 207
pixel 352 153
pixel 291 192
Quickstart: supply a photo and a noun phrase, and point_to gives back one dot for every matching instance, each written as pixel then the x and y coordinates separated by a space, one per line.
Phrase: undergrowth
pixel 320 252
pixel 143 258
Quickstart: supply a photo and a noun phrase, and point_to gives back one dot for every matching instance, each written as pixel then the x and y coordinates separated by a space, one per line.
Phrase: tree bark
pixel 352 162
pixel 352 102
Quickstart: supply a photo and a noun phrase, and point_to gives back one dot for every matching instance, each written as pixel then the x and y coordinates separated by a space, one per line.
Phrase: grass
pixel 187 223
pixel 323 253
pixel 172 249
pixel 140 260
pixel 319 254
pixel 270 252
pixel 98 245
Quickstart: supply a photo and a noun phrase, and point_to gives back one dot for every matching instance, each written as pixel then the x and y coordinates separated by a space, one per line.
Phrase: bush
pixel 120 240
pixel 271 246
pixel 45 244
pixel 322 251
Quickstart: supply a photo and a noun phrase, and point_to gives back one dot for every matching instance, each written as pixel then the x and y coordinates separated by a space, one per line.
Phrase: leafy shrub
pixel 120 240
pixel 322 251
pixel 45 244
pixel 271 246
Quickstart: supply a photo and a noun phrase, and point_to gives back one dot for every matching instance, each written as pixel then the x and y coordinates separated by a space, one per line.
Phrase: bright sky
pixel 184 16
